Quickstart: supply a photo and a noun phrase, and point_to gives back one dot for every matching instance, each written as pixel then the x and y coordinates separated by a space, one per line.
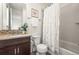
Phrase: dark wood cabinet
pixel 21 47
pixel 10 50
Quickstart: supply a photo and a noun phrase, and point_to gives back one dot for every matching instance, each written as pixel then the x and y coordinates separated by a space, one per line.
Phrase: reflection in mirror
pixel 0 16
pixel 3 17
pixel 11 15
pixel 15 15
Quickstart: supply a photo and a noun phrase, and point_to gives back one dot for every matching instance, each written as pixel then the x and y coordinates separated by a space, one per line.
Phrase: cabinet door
pixel 2 51
pixel 23 49
pixel 10 50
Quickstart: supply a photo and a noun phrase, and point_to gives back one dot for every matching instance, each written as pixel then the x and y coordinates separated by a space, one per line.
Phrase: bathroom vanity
pixel 15 44
pixel 12 42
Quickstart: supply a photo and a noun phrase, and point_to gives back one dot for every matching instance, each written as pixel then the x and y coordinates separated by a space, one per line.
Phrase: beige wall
pixel 69 27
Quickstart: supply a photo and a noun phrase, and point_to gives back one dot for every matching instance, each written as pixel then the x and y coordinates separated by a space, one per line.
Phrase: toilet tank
pixel 36 39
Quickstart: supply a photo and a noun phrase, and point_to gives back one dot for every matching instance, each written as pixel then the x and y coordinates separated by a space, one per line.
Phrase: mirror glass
pixel 3 16
pixel 16 15
pixel 11 15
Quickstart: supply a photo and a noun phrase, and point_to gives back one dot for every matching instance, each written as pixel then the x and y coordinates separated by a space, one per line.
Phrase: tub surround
pixel 15 44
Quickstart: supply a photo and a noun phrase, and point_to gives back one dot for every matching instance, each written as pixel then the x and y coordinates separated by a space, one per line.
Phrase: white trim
pixel 63 51
pixel 69 43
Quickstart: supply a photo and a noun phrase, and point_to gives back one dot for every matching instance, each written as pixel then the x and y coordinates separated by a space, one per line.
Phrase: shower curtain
pixel 51 27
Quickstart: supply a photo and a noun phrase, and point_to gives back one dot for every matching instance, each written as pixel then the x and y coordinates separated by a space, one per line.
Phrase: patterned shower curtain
pixel 51 27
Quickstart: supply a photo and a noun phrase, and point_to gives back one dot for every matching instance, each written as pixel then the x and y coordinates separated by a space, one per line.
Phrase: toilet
pixel 41 49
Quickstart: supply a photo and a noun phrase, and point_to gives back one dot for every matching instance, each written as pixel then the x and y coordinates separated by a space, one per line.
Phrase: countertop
pixel 12 36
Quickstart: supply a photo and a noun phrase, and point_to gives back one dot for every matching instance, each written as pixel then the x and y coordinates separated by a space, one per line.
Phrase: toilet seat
pixel 41 48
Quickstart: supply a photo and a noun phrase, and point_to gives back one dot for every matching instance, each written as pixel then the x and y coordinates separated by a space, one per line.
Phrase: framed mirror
pixel 11 15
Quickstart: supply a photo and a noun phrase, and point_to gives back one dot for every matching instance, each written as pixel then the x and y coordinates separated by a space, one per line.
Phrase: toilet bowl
pixel 41 49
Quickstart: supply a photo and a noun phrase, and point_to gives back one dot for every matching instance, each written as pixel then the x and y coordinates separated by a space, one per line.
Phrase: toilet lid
pixel 42 46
